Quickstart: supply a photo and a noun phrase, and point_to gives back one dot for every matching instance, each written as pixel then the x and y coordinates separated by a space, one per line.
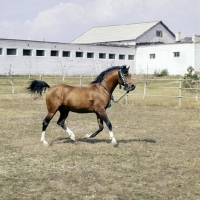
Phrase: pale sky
pixel 64 20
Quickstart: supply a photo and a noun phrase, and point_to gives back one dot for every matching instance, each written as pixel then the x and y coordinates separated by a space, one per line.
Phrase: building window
pixel 130 57
pixel 111 56
pixel 66 54
pixel 121 57
pixel 79 54
pixel 90 55
pixel 11 51
pixel 102 55
pixel 176 54
pixel 152 56
pixel 27 52
pixel 39 52
pixel 54 53
pixel 1 52
pixel 159 34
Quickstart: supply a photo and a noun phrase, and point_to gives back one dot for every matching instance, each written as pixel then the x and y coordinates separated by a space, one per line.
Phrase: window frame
pixel 102 55
pixel 28 50
pixel 122 56
pixel 11 54
pixel 111 56
pixel 159 33
pixel 131 57
pixel 41 51
pixel 152 56
pixel 90 53
pixel 54 53
pixel 176 54
pixel 79 52
pixel 68 54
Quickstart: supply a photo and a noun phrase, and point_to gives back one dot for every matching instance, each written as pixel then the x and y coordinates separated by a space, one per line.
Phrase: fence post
pixel 145 88
pixel 126 99
pixel 80 80
pixel 180 92
pixel 197 91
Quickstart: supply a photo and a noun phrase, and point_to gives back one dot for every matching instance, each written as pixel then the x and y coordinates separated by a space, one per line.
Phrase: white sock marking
pixel 71 134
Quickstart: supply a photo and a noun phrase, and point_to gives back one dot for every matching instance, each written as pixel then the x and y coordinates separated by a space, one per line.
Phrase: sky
pixel 65 20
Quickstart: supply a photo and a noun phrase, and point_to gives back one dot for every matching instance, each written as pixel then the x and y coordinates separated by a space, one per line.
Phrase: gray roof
pixel 116 33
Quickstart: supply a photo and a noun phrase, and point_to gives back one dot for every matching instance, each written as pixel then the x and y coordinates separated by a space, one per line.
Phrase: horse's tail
pixel 37 87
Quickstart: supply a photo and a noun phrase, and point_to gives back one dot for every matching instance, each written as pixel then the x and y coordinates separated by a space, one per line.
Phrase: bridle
pixel 122 79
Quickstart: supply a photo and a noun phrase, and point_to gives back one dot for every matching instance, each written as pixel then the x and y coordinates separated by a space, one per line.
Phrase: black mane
pixel 99 78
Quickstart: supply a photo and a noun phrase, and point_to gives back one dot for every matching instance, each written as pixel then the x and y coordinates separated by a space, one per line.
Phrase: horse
pixel 93 98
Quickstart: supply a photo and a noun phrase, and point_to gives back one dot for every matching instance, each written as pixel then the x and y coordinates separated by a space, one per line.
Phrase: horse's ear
pixel 124 69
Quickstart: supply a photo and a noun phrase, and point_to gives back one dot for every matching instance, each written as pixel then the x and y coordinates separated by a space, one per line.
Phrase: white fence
pixel 144 88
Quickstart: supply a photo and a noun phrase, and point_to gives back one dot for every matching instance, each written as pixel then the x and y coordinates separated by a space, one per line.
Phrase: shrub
pixel 161 73
pixel 190 78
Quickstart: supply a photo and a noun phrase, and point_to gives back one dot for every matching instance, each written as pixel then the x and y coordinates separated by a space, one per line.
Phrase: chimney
pixel 178 36
pixel 193 38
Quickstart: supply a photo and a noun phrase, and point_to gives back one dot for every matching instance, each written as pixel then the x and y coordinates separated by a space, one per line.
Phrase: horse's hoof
pixel 87 136
pixel 115 144
pixel 46 144
pixel 72 138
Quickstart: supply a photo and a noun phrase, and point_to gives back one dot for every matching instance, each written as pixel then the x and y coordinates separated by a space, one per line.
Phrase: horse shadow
pixel 95 141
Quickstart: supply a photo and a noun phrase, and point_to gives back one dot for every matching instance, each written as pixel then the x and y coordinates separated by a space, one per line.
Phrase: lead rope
pixel 120 97
pixel 111 96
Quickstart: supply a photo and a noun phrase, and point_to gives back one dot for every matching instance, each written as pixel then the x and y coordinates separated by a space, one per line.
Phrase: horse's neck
pixel 110 82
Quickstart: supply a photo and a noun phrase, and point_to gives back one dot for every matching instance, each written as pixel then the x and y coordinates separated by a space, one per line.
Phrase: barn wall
pixel 60 65
pixel 150 36
pixel 197 57
pixel 164 58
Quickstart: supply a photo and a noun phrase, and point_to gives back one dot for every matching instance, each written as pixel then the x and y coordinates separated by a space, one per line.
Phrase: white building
pixel 145 47
pixel 51 58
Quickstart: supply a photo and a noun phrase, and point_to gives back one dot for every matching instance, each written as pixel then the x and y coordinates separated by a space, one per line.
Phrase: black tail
pixel 37 87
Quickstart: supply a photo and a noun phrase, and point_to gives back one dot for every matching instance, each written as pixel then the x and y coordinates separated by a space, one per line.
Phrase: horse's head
pixel 125 79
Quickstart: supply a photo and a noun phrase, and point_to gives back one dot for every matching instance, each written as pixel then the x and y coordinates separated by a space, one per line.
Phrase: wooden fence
pixel 145 88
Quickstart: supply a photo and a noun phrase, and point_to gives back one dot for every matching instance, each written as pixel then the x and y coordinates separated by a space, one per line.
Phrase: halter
pixel 121 74
pixel 121 77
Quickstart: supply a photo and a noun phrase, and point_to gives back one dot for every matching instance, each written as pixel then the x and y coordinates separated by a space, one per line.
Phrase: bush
pixel 161 73
pixel 190 79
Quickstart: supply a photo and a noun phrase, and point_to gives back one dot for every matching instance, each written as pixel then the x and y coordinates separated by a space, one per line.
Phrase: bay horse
pixel 93 98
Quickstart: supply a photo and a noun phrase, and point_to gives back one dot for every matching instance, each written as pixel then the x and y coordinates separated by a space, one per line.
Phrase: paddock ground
pixel 158 156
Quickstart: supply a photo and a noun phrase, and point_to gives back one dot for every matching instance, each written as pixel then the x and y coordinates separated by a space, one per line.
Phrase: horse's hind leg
pixel 44 126
pixel 61 122
pixel 100 123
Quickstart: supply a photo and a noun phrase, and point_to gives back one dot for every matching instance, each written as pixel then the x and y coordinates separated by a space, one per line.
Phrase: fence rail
pixel 145 88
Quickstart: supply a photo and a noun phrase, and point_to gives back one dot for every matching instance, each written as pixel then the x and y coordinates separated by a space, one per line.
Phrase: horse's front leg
pixel 100 123
pixel 103 115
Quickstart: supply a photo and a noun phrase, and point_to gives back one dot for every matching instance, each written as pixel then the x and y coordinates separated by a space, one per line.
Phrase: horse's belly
pixel 84 107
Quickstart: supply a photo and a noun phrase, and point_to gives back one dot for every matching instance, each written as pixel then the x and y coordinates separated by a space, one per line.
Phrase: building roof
pixel 116 33
pixel 189 39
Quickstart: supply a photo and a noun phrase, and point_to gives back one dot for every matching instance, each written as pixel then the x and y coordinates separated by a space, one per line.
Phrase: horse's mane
pixel 99 78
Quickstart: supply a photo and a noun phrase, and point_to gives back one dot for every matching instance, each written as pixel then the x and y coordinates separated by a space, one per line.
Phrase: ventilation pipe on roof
pixel 194 38
pixel 178 36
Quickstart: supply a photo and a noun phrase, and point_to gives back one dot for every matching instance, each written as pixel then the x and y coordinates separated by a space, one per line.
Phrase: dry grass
pixel 158 156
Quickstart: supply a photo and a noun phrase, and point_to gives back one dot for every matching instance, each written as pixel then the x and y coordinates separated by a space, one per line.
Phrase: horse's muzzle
pixel 131 87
